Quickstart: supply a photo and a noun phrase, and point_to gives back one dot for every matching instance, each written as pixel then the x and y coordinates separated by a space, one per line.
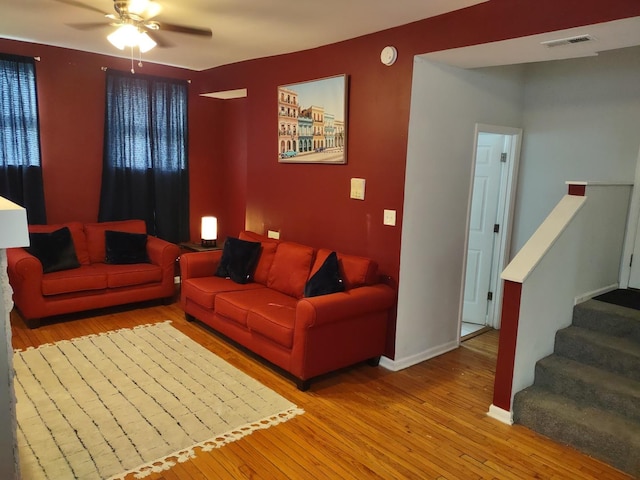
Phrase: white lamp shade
pixel 209 228
pixel 124 36
pixel 145 42
pixel 129 36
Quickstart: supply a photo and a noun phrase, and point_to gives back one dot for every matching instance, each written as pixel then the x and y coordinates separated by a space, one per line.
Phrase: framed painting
pixel 312 121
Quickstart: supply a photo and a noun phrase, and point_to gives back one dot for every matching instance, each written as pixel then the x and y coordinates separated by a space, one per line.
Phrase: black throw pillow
pixel 123 248
pixel 55 250
pixel 326 280
pixel 239 259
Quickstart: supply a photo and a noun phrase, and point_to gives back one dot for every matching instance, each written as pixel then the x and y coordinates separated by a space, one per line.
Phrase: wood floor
pixel 426 422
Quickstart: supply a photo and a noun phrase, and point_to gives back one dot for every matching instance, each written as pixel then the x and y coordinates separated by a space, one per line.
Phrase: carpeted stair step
pixel 608 318
pixel 616 354
pixel 589 385
pixel 604 435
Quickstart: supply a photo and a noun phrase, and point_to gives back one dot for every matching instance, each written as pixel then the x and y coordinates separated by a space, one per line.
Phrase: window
pixel 20 168
pixel 145 172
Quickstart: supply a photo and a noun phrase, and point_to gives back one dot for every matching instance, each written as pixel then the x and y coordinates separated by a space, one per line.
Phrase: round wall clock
pixel 388 55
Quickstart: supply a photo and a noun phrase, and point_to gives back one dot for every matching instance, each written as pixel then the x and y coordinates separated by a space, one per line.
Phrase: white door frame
pixel 506 206
pixel 632 228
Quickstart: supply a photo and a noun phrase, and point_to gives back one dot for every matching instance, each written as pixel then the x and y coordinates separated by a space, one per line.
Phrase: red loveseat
pixel 269 315
pixel 94 284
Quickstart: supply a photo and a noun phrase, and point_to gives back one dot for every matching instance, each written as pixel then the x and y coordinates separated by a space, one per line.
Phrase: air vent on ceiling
pixel 568 41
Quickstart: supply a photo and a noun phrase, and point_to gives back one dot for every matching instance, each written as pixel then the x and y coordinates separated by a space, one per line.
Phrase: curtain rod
pixel 104 69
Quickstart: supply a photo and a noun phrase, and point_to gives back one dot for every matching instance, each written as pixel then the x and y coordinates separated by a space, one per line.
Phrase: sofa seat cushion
pixel 87 277
pixel 274 321
pixel 203 290
pixel 237 305
pixel 132 274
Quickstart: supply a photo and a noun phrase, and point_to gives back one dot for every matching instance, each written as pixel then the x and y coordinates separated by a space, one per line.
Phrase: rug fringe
pixel 165 463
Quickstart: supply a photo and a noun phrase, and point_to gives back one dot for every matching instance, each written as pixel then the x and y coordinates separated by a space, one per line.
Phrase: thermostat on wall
pixel 388 55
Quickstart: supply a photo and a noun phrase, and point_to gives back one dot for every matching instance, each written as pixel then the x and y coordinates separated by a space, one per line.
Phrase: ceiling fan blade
pixel 161 42
pixel 171 27
pixel 88 26
pixel 75 3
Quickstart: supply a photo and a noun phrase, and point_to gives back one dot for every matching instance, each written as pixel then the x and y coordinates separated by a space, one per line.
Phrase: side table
pixel 196 247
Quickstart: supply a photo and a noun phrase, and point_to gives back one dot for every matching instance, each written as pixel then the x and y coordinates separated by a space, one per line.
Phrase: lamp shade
pixel 145 42
pixel 209 231
pixel 124 36
pixel 128 35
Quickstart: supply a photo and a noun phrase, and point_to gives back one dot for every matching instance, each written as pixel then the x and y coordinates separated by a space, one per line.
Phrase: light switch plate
pixel 389 217
pixel 357 188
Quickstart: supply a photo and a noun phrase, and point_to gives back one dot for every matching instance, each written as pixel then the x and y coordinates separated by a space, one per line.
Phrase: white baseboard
pixel 594 293
pixel 400 364
pixel 500 414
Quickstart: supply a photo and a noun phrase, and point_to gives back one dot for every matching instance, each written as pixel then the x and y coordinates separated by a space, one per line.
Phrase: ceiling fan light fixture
pixel 124 36
pixel 144 8
pixel 128 35
pixel 145 42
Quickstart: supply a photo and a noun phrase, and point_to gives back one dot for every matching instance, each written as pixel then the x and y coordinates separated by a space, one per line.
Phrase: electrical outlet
pixel 389 217
pixel 273 234
pixel 357 188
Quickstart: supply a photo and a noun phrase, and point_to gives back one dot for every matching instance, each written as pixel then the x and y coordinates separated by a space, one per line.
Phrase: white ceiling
pixel 606 36
pixel 242 29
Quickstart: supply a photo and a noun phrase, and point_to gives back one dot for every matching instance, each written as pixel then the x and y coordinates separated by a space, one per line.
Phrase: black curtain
pixel 145 166
pixel 20 163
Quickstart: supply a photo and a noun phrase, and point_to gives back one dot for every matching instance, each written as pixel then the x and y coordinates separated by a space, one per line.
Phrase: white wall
pixel 446 104
pixel 581 121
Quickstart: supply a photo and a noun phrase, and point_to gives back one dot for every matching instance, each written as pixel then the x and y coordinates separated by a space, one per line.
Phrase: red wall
pixel 71 98
pixel 310 203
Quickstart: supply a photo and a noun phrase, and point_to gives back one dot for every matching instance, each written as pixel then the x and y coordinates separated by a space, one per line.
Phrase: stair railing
pixel 574 255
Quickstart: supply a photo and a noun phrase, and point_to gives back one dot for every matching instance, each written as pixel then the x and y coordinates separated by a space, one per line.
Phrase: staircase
pixel 587 393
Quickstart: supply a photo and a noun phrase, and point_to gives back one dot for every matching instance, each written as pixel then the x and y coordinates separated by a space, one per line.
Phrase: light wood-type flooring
pixel 425 422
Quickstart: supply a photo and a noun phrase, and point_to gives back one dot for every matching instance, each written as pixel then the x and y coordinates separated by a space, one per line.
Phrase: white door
pixel 482 237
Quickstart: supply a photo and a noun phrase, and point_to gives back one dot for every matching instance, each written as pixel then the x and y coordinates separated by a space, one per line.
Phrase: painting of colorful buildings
pixel 312 121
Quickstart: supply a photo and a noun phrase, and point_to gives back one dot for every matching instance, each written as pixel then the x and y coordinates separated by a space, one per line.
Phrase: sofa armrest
pixel 161 252
pixel 24 266
pixel 199 264
pixel 315 311
pixel 25 276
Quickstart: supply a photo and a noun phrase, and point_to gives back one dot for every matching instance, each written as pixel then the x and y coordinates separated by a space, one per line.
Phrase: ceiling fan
pixel 135 24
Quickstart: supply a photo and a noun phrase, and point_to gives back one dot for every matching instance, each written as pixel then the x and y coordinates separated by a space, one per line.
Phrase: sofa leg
pixel 374 362
pixel 303 385
pixel 189 318
pixel 33 323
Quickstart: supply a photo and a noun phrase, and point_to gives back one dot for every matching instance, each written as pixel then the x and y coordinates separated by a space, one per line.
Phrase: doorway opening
pixel 492 198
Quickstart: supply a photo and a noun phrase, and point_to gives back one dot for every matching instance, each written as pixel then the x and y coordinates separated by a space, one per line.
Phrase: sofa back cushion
pixel 290 268
pixel 356 271
pixel 55 250
pixel 95 233
pixel 267 254
pixel 77 235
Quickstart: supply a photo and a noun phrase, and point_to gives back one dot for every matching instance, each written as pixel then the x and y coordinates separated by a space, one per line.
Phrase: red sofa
pixel 94 284
pixel 269 315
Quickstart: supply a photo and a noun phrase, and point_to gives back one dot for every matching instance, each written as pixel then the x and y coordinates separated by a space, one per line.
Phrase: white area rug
pixel 103 406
